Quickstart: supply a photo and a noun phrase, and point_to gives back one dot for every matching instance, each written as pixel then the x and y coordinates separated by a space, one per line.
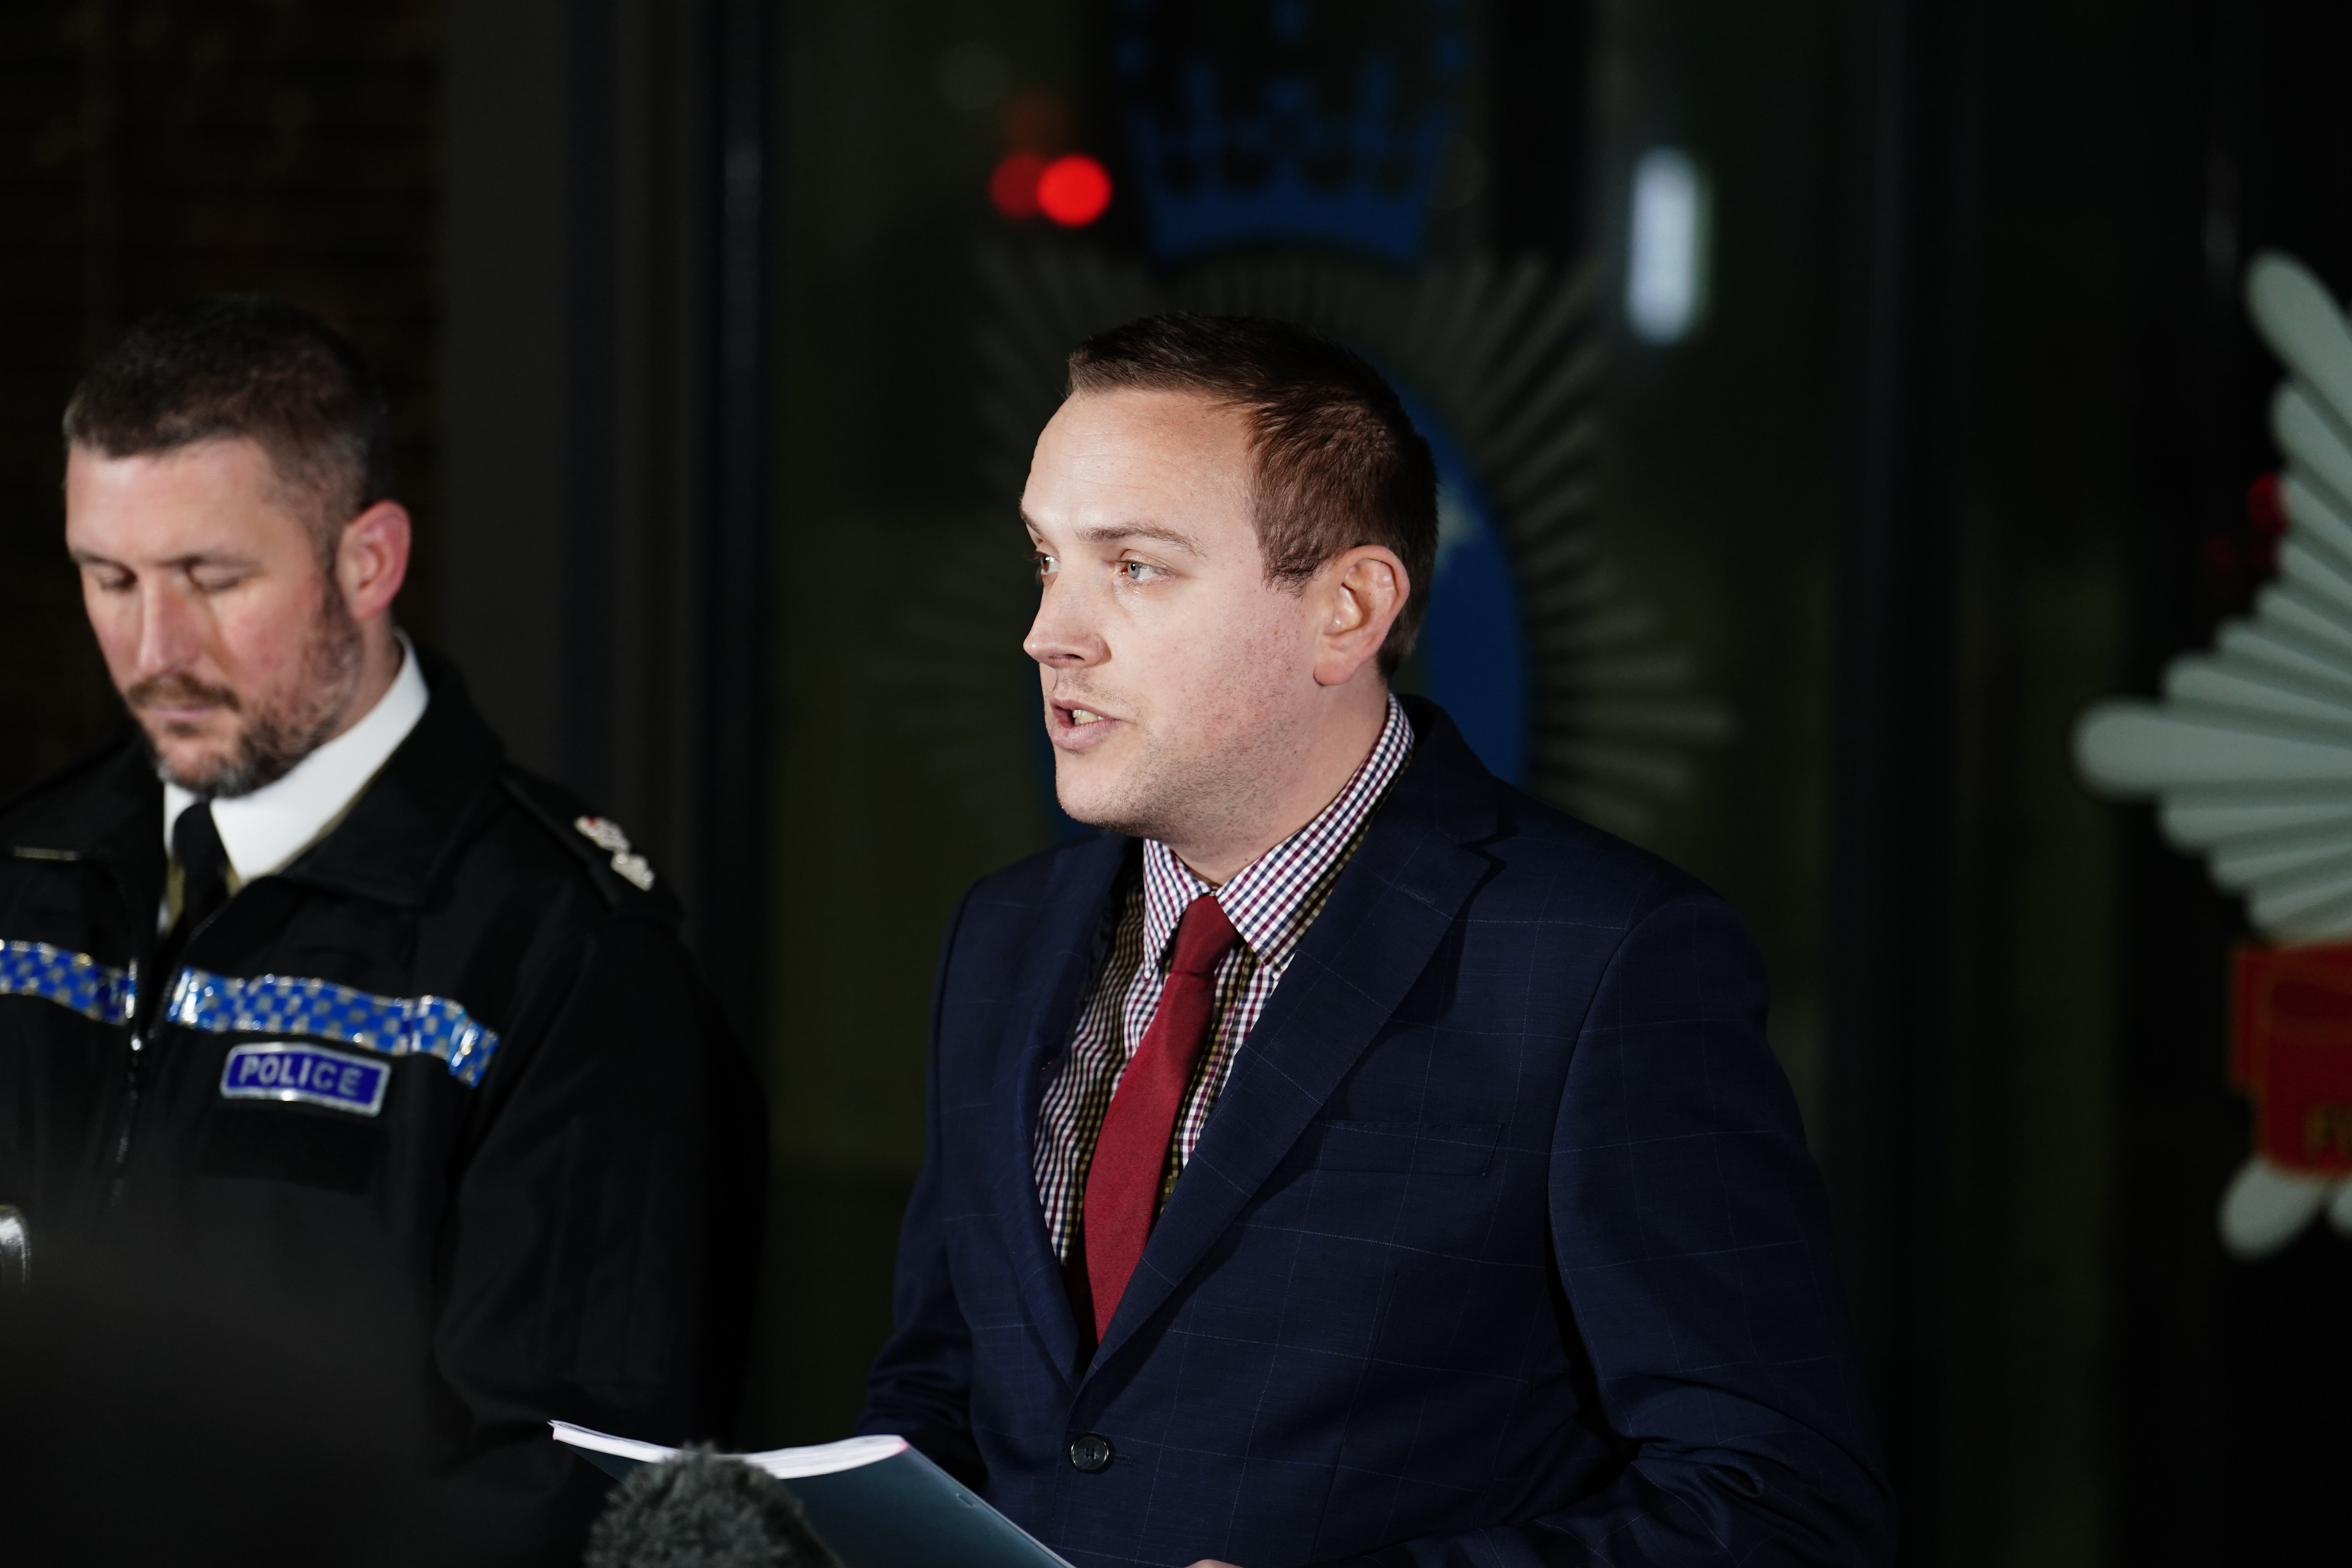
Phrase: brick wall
pixel 151 150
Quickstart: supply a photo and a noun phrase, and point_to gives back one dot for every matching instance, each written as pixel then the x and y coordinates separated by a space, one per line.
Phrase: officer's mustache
pixel 179 690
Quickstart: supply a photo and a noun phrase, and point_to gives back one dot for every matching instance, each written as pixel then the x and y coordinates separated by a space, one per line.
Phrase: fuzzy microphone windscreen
pixel 700 1511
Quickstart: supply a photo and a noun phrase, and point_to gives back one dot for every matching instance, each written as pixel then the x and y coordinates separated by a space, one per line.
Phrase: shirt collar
pixel 1272 899
pixel 264 831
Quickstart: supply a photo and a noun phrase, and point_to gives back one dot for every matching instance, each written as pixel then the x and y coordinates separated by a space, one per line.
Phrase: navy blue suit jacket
pixel 1500 1247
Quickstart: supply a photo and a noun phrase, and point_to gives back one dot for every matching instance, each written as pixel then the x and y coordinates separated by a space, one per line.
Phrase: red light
pixel 1014 186
pixel 1072 191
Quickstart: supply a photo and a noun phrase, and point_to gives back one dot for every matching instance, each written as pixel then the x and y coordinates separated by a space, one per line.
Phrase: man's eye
pixel 216 581
pixel 1139 570
pixel 1045 564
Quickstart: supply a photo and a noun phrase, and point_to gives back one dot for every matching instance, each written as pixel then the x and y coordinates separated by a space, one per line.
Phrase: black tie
pixel 203 877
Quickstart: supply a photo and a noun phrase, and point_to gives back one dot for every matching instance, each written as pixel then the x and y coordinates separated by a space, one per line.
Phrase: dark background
pixel 674 302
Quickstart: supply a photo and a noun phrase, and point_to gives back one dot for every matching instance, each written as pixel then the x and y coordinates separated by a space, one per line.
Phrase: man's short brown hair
pixel 1337 461
pixel 245 365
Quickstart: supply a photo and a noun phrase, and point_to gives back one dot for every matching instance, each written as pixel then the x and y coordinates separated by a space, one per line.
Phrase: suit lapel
pixel 1071 930
pixel 1393 905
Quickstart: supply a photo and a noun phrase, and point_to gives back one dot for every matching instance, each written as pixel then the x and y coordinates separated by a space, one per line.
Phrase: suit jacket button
pixel 1090 1452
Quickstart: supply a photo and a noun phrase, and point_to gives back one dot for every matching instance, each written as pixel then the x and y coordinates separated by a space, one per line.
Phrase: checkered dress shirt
pixel 1271 902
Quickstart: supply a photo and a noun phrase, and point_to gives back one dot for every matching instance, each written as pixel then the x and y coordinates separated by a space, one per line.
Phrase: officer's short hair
pixel 246 366
pixel 1336 461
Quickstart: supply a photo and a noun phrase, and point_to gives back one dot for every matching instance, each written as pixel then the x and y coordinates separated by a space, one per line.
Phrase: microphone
pixel 703 1511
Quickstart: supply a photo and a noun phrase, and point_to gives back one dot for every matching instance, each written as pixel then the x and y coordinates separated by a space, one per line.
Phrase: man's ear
pixel 1357 596
pixel 372 559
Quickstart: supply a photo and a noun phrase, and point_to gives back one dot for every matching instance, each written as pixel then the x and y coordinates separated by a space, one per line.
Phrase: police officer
pixel 333 1045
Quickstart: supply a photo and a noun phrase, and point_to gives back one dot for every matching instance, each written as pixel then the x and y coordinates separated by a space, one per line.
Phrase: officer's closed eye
pixel 212 578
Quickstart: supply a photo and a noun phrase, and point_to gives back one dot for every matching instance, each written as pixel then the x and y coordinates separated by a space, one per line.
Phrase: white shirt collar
pixel 263 830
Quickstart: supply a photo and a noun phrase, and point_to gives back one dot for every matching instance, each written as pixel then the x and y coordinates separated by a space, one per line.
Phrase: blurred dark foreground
pixel 154 1413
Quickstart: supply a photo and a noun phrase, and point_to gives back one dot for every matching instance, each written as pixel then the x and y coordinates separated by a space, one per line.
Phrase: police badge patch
pixel 281 1069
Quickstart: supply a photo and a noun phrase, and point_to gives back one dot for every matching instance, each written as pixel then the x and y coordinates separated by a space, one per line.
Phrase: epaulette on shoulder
pixel 622 875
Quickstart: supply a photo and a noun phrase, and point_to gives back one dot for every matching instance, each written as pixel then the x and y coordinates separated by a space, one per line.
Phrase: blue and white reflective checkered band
pixel 289 1005
pixel 72 980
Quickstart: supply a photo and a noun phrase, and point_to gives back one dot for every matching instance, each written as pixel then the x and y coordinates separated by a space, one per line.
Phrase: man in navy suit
pixel 1343 1157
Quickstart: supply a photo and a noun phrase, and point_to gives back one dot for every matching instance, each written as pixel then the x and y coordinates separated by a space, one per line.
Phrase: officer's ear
pixel 372 559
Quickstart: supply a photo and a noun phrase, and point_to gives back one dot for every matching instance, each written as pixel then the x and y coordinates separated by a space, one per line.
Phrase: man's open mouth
pixel 1070 716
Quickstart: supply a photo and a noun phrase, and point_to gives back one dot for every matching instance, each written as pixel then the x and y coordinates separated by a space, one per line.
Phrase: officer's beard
pixel 277 734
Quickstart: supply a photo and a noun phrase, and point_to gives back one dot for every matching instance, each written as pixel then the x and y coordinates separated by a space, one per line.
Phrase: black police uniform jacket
pixel 438 1122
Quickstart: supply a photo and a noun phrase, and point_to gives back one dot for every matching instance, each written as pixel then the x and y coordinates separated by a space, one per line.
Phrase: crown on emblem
pixel 1290 168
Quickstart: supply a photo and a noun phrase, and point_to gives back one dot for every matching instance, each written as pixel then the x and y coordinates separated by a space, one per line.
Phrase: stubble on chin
pixel 1145 798
pixel 275 734
pixel 1180 790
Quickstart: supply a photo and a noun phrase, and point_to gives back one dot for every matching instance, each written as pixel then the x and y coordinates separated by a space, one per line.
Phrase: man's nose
pixel 1063 634
pixel 167 630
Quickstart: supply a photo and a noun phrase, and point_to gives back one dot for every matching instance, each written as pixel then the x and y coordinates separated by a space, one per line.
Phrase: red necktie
pixel 1132 1153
